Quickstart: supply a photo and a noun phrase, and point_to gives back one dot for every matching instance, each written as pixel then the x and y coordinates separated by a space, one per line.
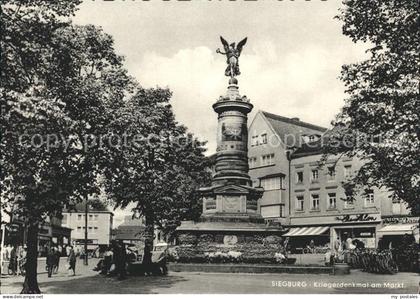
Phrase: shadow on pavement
pixel 106 285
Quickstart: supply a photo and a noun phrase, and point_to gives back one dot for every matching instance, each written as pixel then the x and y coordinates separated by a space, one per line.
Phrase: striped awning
pixel 307 231
pixel 398 229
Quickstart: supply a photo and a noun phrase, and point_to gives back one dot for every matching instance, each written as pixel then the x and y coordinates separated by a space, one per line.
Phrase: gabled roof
pixel 291 130
pixel 316 147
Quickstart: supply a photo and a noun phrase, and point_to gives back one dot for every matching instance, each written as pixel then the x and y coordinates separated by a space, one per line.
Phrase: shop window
pixel 299 177
pixel 300 200
pixel 267 160
pixel 315 175
pixel 315 202
pixel 332 201
pixel 331 173
pixel 274 183
pixel 369 198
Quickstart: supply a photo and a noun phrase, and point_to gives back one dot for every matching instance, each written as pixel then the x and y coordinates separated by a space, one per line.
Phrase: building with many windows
pixel 284 155
pixel 99 228
pixel 270 139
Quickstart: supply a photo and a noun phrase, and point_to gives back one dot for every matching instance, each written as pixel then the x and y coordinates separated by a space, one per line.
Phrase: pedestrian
pixel 21 260
pixel 337 246
pixel 51 261
pixel 312 246
pixel 349 243
pixel 57 259
pixel 121 260
pixel 13 260
pixel 8 251
pixel 286 245
pixel 106 265
pixel 71 259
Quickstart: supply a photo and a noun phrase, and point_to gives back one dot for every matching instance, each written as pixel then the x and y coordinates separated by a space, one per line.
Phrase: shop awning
pixel 307 231
pixel 397 229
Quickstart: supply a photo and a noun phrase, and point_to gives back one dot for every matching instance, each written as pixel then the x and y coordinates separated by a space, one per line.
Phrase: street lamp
pixel 86 230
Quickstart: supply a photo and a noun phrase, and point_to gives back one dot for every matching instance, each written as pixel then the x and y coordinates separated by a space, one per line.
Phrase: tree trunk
pixel 148 241
pixel 30 285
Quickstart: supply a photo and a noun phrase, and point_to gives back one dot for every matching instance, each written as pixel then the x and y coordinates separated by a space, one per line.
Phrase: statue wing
pixel 241 44
pixel 225 44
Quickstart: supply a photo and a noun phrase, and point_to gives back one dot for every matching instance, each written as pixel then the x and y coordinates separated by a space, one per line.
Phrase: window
pixel 79 217
pixel 311 138
pixel 299 177
pixel 300 200
pixel 273 183
pixel 332 201
pixel 254 140
pixel 369 198
pixel 315 175
pixel 252 162
pixel 347 170
pixel 315 202
pixel 90 217
pixel 331 173
pixel 267 160
pixel 64 220
pixel 95 217
pixel 263 138
pixel 90 228
pixel 79 228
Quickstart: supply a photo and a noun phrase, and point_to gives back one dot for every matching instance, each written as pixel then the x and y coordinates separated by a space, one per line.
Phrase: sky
pixel 289 66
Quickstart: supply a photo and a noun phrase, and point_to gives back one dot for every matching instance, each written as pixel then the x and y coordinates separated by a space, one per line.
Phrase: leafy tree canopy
pixel 380 119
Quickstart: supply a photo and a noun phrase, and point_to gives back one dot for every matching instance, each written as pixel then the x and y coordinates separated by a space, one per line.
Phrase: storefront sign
pixel 336 220
pixel 356 218
pixel 400 220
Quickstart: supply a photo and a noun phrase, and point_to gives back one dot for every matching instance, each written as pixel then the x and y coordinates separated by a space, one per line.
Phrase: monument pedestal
pixel 230 220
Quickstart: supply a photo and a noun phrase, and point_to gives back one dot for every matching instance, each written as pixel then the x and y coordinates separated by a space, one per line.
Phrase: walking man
pixel 71 259
pixel 51 261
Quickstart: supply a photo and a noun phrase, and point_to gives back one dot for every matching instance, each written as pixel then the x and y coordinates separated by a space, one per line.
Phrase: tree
pixel 59 84
pixel 379 122
pixel 159 165
pixel 95 204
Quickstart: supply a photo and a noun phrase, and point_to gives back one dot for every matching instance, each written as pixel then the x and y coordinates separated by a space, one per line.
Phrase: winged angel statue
pixel 232 56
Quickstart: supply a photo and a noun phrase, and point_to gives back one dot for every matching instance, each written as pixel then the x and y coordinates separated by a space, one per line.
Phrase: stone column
pixel 232 138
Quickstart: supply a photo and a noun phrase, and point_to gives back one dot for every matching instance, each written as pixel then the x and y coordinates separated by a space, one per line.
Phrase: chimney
pixel 295 119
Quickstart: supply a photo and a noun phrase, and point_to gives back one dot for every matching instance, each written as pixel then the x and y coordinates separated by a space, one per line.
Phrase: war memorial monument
pixel 230 220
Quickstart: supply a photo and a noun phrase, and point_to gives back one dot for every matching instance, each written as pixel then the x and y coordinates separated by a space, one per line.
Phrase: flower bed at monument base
pixel 238 254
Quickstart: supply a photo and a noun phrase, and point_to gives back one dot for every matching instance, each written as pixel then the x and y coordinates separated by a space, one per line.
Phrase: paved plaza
pixel 88 281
